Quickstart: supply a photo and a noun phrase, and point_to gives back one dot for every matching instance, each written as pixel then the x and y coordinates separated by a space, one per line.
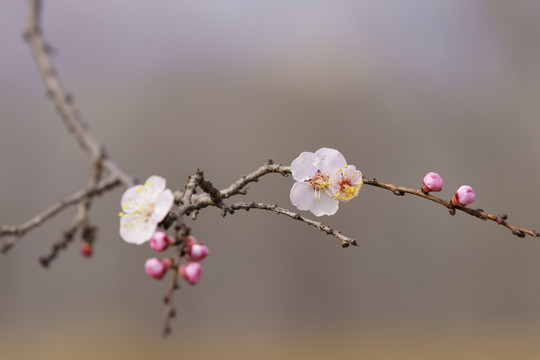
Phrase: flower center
pixel 319 182
pixel 347 190
pixel 145 209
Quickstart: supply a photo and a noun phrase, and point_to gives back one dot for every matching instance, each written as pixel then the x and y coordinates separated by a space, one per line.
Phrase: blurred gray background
pixel 400 87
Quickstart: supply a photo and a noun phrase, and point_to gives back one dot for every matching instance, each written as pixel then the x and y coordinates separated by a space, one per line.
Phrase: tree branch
pixel 344 240
pixel 479 213
pixel 17 231
pixel 32 34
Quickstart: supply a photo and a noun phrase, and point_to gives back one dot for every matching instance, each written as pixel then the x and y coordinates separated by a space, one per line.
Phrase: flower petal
pixel 304 166
pixel 130 198
pixel 331 160
pixel 162 205
pixel 325 205
pixel 135 230
pixel 303 197
pixel 155 184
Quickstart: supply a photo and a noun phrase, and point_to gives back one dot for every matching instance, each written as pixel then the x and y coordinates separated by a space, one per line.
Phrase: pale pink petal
pixel 304 166
pixel 326 205
pixel 135 230
pixel 302 195
pixel 330 160
pixel 162 205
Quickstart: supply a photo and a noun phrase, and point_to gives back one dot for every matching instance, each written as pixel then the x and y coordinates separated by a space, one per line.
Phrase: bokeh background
pixel 400 87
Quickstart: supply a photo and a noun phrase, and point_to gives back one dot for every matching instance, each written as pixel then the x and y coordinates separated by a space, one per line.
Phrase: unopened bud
pixel 156 268
pixel 191 240
pixel 432 182
pixel 160 241
pixel 197 252
pixel 87 249
pixel 191 272
pixel 463 196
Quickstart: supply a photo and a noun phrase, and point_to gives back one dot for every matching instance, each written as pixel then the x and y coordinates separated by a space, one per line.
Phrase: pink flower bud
pixel 191 272
pixel 160 241
pixel 432 182
pixel 197 252
pixel 191 240
pixel 87 249
pixel 156 268
pixel 463 196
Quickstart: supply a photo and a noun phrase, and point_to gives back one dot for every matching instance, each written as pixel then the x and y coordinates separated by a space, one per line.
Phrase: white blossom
pixel 144 206
pixel 323 178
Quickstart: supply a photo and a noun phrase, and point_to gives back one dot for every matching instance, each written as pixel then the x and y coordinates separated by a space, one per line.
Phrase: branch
pixel 20 230
pixel 79 222
pixel 170 312
pixel 238 186
pixel 32 34
pixel 344 240
pixel 182 232
pixel 479 213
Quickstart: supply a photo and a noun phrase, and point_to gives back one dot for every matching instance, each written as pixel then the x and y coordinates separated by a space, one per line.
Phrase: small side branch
pixel 479 213
pixel 62 101
pixel 238 186
pixel 17 231
pixel 170 312
pixel 344 240
pixel 80 221
pixel 215 193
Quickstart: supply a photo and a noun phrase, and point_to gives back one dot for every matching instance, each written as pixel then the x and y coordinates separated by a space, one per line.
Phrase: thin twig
pixel 17 231
pixel 32 33
pixel 344 240
pixel 479 213
pixel 170 312
pixel 269 167
pixel 80 221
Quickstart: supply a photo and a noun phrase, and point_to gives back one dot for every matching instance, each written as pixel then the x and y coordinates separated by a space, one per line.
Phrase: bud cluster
pixel 434 182
pixel 193 252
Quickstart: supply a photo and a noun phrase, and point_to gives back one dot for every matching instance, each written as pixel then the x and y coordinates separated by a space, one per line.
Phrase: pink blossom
pixel 191 272
pixel 322 179
pixel 160 241
pixel 345 183
pixel 197 252
pixel 463 196
pixel 432 182
pixel 156 268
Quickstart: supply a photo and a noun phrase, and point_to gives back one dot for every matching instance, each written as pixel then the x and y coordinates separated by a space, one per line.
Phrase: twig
pixel 344 240
pixel 479 213
pixel 32 34
pixel 17 231
pixel 80 221
pixel 170 312
pixel 269 167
